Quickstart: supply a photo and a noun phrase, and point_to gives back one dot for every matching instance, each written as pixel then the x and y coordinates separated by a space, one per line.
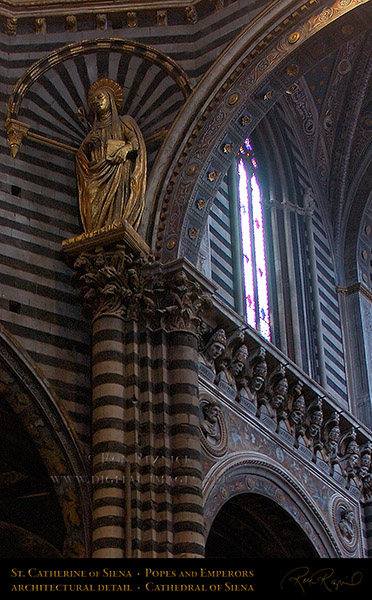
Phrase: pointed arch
pixel 240 88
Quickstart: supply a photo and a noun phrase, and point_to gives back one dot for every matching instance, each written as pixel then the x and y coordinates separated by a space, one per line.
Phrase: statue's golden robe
pixel 111 172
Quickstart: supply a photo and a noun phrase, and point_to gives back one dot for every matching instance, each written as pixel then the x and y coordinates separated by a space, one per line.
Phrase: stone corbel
pixel 16 131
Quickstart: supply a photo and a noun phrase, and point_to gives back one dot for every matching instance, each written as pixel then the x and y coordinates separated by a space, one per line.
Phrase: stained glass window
pixel 253 243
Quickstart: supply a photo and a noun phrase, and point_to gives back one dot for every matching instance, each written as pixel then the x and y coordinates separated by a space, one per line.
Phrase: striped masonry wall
pixel 221 250
pixel 330 313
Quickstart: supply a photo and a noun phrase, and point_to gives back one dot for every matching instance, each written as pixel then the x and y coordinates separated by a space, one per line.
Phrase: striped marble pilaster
pixel 108 437
pixel 187 505
pixel 155 472
pixel 131 424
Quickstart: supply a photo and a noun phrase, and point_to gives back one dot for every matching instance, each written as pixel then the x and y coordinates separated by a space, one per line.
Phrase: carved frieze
pixel 271 393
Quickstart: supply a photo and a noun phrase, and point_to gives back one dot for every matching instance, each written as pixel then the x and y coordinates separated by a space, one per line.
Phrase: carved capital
pixel 110 282
pixel 174 299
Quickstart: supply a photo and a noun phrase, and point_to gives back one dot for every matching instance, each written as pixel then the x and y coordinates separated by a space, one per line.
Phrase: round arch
pixel 253 72
pixel 25 391
pixel 254 526
pixel 266 485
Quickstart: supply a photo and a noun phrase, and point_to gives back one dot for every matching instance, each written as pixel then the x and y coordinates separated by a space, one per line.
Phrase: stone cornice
pixel 29 8
pixel 356 289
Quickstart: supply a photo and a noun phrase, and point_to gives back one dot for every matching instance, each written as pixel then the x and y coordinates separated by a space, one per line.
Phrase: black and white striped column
pixel 187 505
pixel 108 437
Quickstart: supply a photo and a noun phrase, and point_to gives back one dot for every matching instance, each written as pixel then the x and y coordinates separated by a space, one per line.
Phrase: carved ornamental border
pixel 24 7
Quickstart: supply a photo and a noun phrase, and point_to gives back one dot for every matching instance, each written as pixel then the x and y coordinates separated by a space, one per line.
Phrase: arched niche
pixel 51 465
pixel 48 110
pixel 269 498
pixel 257 68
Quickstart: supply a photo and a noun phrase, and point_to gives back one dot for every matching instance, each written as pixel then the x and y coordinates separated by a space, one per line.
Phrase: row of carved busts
pixel 296 413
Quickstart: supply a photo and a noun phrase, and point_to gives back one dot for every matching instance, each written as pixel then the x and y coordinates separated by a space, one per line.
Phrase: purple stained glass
pixel 248 272
pixel 253 246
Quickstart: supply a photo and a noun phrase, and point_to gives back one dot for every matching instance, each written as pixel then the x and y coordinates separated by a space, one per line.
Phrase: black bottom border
pixel 300 576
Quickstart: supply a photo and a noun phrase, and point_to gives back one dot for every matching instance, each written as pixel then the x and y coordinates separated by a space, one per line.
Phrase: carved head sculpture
pixel 352 455
pixel 333 439
pixel 259 372
pixel 315 419
pixel 365 460
pixel 348 515
pixel 279 389
pixel 211 411
pixel 297 414
pixel 238 361
pixel 346 524
pixel 215 346
pixel 331 434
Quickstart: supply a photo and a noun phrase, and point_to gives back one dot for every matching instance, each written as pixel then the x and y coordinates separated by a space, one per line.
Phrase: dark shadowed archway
pixel 252 526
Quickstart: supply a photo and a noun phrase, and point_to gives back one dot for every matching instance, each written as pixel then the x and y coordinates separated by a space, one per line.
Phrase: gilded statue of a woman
pixel 110 163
